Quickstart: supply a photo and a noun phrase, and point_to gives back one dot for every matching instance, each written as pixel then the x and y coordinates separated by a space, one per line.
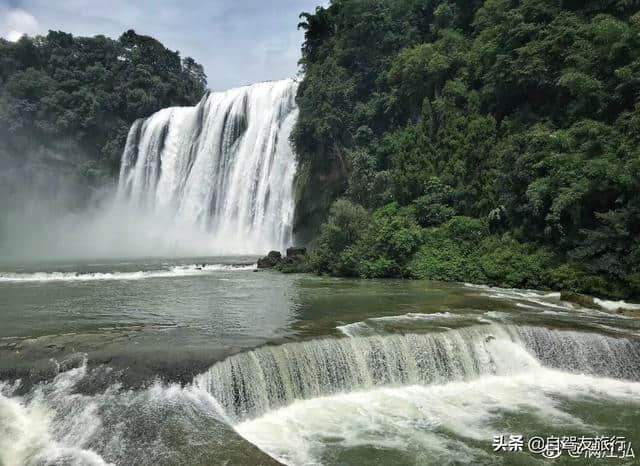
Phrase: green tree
pixel 522 115
pixel 80 94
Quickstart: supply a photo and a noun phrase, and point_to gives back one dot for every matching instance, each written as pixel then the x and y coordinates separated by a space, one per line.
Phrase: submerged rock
pixel 628 312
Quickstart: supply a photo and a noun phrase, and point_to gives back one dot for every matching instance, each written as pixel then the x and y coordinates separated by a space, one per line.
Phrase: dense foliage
pixel 66 94
pixel 494 141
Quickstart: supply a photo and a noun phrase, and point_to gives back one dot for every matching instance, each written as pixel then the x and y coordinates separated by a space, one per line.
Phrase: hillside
pixel 490 141
pixel 66 103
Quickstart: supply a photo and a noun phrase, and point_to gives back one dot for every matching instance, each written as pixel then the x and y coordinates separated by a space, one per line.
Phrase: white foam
pixel 528 299
pixel 368 326
pixel 177 271
pixel 54 424
pixel 355 329
pixel 417 418
pixel 548 299
pixel 419 316
pixel 497 315
pixel 517 293
pixel 27 433
pixel 614 305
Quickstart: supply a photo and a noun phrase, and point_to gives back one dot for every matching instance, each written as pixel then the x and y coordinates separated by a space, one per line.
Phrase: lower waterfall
pixel 224 166
pixel 253 383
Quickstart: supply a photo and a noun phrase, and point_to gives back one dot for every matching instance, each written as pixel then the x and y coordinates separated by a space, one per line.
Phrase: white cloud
pixel 14 22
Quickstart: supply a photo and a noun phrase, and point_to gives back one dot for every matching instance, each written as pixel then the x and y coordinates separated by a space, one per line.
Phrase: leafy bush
pixel 353 243
pixel 441 258
pixel 345 225
pixel 450 252
pixel 461 251
pixel 572 277
pixel 388 243
pixel 506 262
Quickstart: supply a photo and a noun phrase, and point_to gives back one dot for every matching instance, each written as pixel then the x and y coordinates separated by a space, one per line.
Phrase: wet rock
pixel 294 262
pixel 579 299
pixel 270 260
pixel 628 312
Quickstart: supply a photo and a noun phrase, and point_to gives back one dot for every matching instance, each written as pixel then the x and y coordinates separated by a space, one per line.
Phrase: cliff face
pixel 315 191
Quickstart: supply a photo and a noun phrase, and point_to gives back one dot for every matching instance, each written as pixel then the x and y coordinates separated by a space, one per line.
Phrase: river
pixel 207 361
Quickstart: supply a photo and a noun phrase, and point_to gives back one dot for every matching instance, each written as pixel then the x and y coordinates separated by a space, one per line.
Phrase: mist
pixel 40 225
pixel 193 182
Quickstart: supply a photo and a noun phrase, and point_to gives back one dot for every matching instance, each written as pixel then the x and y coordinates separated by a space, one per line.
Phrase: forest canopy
pixel 66 94
pixel 493 141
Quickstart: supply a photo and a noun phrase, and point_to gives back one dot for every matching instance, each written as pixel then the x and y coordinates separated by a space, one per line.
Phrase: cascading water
pixel 427 399
pixel 225 166
pixel 250 384
pixel 417 397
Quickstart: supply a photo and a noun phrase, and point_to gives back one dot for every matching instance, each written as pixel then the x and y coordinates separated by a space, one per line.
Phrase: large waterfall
pixel 224 166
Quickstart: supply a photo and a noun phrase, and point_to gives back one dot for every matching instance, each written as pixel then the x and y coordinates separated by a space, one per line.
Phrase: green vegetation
pixel 66 95
pixel 493 141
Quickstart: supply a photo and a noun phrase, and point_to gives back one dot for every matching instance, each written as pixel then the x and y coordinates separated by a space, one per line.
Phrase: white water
pixel 548 299
pixel 176 271
pixel 54 425
pixel 375 325
pixel 29 434
pixel 424 396
pixel 224 166
pixel 256 382
pixel 614 305
pixel 430 423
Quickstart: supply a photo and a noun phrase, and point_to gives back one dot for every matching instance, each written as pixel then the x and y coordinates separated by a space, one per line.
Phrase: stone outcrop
pixel 270 260
pixel 579 299
pixel 294 261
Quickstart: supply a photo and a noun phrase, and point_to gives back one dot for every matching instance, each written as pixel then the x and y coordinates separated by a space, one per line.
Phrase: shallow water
pixel 169 362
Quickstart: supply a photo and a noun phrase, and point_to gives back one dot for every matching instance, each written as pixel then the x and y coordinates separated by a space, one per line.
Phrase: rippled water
pixel 206 361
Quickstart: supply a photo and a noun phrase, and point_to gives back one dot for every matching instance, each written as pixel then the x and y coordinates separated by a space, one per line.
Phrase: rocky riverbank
pixel 295 261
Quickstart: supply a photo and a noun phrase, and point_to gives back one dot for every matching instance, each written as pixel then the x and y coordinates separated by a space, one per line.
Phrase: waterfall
pixel 253 383
pixel 225 166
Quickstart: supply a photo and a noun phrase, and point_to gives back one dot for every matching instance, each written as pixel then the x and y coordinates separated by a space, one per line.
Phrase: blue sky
pixel 237 41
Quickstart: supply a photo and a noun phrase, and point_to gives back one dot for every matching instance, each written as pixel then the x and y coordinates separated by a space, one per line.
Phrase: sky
pixel 237 41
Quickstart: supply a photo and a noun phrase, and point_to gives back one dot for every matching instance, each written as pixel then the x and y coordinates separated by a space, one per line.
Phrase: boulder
pixel 270 260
